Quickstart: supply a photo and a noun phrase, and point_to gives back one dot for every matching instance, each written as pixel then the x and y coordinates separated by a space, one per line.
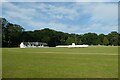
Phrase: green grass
pixel 91 62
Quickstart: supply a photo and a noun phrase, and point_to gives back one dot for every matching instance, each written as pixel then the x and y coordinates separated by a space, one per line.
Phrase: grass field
pixel 91 62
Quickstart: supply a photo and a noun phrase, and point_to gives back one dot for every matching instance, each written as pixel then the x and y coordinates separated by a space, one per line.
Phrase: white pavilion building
pixel 32 44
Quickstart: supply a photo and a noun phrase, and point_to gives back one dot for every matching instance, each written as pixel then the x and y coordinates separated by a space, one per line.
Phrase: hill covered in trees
pixel 13 35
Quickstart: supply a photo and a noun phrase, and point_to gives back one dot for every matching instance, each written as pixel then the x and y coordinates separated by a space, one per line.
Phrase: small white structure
pixel 22 45
pixel 72 46
pixel 32 44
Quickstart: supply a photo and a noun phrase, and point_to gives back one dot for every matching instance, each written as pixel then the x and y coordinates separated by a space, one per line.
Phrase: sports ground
pixel 91 62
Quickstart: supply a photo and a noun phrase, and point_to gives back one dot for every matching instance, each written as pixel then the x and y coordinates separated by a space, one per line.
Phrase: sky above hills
pixel 71 17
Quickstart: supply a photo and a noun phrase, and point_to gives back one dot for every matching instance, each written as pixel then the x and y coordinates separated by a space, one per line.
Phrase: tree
pixel 79 41
pixel 101 37
pixel 113 38
pixel 105 41
pixel 89 38
pixel 11 33
pixel 119 39
pixel 70 40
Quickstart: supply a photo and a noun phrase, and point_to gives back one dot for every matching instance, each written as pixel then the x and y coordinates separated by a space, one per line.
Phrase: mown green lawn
pixel 91 62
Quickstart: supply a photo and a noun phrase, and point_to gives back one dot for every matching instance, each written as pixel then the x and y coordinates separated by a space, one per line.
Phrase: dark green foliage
pixel 105 41
pixel 101 37
pixel 13 35
pixel 113 38
pixel 90 39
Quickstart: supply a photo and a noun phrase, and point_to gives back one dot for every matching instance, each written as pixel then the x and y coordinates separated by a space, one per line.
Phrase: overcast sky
pixel 71 17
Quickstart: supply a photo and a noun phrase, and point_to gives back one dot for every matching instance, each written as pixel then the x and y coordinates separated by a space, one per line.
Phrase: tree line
pixel 13 35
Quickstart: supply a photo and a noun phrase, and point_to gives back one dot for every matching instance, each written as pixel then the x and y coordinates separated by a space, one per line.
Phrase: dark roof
pixel 34 43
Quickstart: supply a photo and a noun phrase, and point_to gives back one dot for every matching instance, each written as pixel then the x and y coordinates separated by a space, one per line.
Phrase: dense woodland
pixel 13 35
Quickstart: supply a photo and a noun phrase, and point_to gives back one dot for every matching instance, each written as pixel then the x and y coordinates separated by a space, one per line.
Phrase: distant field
pixel 91 62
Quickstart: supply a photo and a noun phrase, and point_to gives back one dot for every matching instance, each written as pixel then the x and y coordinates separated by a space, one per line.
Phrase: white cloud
pixel 102 11
pixel 52 25
pixel 97 0
pixel 26 16
pixel 3 1
pixel 100 28
pixel 60 0
pixel 105 12
pixel 57 12
pixel 18 13
pixel 103 16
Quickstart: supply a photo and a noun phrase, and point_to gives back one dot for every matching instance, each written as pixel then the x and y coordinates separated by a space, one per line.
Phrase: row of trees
pixel 13 35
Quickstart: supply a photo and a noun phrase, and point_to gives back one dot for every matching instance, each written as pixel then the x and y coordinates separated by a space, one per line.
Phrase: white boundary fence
pixel 72 46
